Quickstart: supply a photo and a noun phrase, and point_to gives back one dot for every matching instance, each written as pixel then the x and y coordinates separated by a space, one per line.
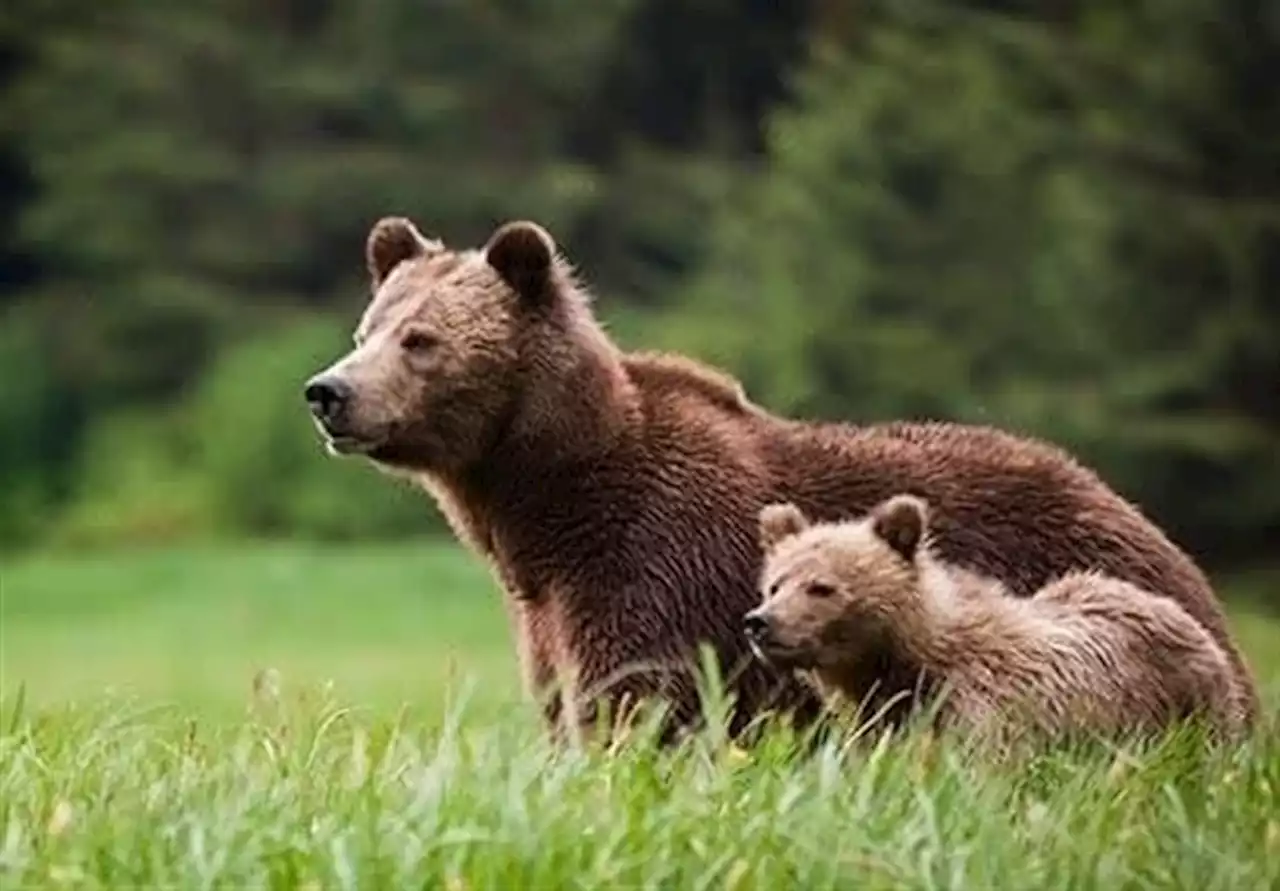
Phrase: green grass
pixel 133 753
pixel 385 624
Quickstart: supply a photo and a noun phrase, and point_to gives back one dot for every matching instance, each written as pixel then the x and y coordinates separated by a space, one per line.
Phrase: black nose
pixel 755 626
pixel 327 396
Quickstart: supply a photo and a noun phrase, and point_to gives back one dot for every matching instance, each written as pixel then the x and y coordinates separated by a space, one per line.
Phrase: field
pixel 388 747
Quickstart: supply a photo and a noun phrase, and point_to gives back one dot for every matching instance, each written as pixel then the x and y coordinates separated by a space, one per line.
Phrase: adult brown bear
pixel 616 494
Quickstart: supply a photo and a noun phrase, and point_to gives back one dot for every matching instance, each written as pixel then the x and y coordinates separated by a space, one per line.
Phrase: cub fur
pixel 1086 653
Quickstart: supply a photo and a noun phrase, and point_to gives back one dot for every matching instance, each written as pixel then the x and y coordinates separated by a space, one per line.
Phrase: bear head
pixel 832 591
pixel 444 353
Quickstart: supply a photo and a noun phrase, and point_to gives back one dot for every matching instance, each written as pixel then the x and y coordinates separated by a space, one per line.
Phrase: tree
pixel 1015 221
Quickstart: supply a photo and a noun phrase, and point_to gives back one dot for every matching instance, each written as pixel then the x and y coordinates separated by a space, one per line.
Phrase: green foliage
pixel 235 155
pixel 238 456
pixel 309 124
pixel 958 221
pixel 28 422
pixel 255 443
pixel 136 484
pixel 1060 220
pixel 292 713
pixel 307 791
pixel 905 259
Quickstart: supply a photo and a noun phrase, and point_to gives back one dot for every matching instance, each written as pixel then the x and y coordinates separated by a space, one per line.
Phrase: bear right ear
pixel 522 253
pixel 392 240
pixel 779 521
pixel 901 523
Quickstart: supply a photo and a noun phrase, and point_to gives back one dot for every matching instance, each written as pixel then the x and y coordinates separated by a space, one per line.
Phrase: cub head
pixel 440 356
pixel 831 591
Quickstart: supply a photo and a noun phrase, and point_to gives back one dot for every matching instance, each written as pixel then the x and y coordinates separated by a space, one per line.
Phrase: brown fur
pixel 615 494
pixel 1085 653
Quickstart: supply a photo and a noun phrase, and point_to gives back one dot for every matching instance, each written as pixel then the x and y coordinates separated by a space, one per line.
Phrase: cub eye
pixel 819 590
pixel 417 342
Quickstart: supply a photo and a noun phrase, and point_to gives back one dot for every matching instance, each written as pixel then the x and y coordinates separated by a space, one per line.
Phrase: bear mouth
pixel 780 656
pixel 340 443
pixel 340 446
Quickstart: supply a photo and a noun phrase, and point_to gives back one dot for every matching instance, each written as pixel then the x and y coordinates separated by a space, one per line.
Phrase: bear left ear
pixel 392 241
pixel 779 521
pixel 522 253
pixel 901 522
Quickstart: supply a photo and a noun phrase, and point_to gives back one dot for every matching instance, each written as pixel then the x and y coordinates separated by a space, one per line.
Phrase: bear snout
pixel 758 629
pixel 328 396
pixel 756 626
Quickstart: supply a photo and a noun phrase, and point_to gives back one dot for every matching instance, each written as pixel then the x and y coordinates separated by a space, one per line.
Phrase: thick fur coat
pixel 615 494
pixel 1085 654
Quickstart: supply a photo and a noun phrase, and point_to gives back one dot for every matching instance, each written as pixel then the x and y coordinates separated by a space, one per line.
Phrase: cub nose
pixel 755 626
pixel 327 396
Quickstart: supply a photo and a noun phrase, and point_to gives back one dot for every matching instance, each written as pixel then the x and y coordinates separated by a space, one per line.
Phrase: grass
pixel 397 753
pixel 385 624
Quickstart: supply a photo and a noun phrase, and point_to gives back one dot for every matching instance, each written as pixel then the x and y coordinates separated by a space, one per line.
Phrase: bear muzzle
pixel 330 397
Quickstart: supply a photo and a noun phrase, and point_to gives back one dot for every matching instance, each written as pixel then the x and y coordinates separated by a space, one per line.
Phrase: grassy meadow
pixel 388 747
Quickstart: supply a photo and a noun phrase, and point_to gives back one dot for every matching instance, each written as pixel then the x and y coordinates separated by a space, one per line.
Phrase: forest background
pixel 1061 218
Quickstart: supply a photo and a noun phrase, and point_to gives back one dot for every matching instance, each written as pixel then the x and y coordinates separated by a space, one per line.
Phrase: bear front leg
pixel 605 707
pixel 537 646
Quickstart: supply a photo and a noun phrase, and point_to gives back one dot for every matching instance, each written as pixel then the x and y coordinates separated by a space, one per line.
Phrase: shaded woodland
pixel 1058 217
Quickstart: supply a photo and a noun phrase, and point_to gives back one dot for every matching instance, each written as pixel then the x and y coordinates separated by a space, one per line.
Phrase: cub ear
pixel 901 523
pixel 392 240
pixel 522 253
pixel 780 520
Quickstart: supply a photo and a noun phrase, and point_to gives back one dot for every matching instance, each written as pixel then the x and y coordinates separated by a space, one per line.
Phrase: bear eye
pixel 819 590
pixel 417 342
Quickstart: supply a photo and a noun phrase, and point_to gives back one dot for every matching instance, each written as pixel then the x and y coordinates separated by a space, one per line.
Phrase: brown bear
pixel 1086 654
pixel 615 494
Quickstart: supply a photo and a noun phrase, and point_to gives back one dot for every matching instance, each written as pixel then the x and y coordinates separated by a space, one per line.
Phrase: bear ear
pixel 779 521
pixel 901 523
pixel 392 240
pixel 522 253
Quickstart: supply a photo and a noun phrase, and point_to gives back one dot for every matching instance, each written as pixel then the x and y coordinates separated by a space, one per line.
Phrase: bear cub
pixel 1086 654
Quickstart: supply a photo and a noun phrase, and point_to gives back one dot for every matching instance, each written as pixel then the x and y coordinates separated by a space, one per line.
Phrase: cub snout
pixel 756 625
pixel 761 633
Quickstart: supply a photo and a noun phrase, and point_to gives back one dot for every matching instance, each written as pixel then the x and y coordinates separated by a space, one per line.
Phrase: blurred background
pixel 1059 217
